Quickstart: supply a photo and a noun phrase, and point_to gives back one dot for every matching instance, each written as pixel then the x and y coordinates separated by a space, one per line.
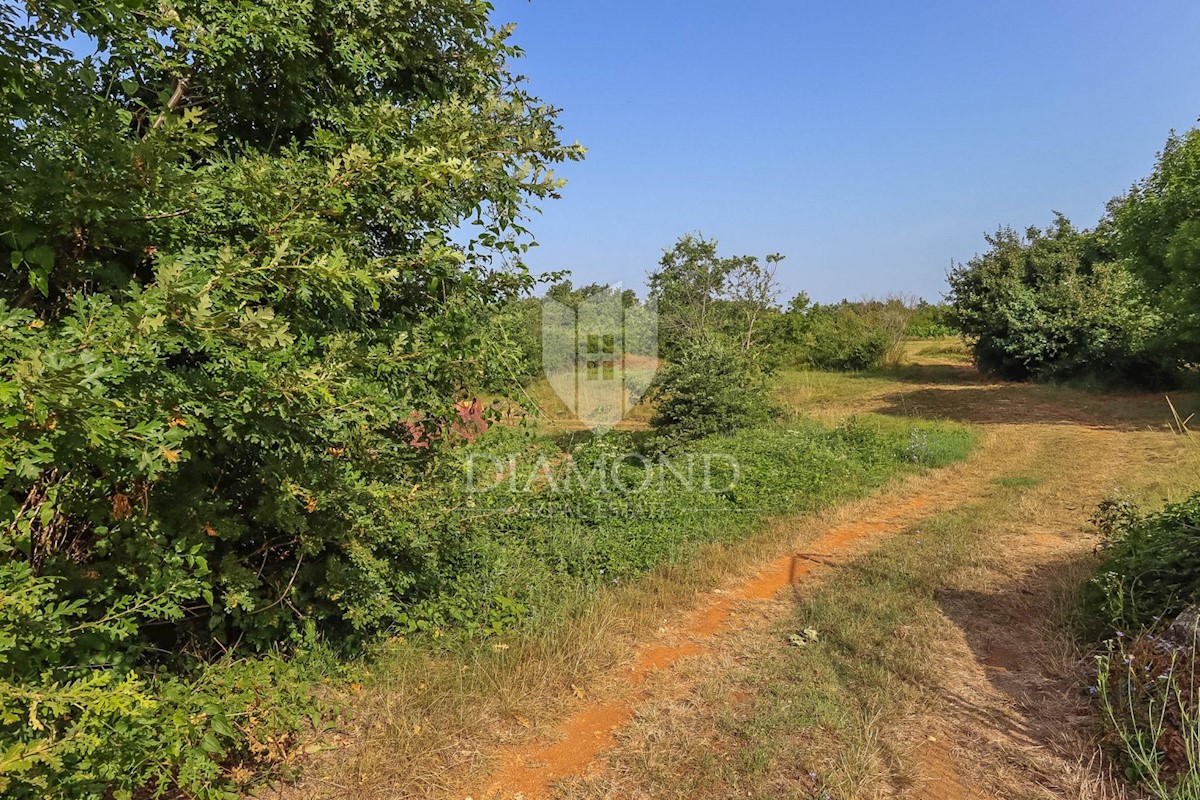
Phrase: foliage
pixel 1056 304
pixel 236 341
pixel 1151 563
pixel 1158 230
pixel 516 326
pixel 845 336
pixel 213 368
pixel 1119 302
pixel 931 321
pixel 698 293
pixel 1150 700
pixel 68 730
pixel 713 386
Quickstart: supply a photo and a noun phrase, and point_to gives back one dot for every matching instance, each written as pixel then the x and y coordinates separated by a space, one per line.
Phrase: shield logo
pixel 599 355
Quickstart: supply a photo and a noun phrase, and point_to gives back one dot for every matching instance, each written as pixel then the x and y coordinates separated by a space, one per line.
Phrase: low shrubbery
pixel 849 336
pixel 932 321
pixel 713 386
pixel 842 338
pixel 1146 680
pixel 1151 563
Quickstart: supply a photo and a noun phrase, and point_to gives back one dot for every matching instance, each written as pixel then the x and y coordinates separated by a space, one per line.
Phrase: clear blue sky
pixel 871 143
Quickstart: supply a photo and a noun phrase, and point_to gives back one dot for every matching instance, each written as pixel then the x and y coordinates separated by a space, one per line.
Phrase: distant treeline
pixel 1119 302
pixel 848 335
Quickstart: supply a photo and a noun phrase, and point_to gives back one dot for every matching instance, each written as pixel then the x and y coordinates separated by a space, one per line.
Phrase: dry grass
pixel 945 666
pixel 945 350
pixel 425 725
pixel 758 715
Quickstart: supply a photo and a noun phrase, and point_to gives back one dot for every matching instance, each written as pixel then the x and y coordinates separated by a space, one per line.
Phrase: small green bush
pixel 713 386
pixel 1151 564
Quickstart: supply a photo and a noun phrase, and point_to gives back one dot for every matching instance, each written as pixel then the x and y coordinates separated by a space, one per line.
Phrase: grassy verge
pixel 832 703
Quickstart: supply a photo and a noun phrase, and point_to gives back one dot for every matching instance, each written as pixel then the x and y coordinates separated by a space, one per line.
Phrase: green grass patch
pixel 1018 482
pixel 607 511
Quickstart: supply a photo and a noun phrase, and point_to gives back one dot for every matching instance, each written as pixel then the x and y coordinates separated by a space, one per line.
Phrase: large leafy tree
pixel 1159 233
pixel 233 312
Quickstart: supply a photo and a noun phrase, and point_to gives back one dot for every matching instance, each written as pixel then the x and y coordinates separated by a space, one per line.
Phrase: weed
pixel 1147 691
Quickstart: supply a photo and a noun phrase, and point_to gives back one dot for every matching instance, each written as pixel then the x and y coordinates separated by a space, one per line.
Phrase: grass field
pixel 923 635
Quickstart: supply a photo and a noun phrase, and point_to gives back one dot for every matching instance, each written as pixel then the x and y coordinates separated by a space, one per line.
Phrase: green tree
pixel 232 319
pixel 1158 231
pixel 235 337
pixel 1055 303
pixel 699 293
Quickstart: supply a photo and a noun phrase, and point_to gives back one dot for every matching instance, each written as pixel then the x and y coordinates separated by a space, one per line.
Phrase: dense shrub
pixel 1120 302
pixel 235 343
pixel 223 371
pixel 1151 564
pixel 1056 304
pixel 931 321
pixel 713 386
pixel 845 336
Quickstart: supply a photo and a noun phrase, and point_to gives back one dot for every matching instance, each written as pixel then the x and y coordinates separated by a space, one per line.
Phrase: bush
pixel 932 321
pixel 1056 304
pixel 1151 565
pixel 712 387
pixel 837 337
pixel 236 340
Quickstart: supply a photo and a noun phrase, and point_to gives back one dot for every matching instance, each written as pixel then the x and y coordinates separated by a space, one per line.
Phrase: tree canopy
pixel 230 292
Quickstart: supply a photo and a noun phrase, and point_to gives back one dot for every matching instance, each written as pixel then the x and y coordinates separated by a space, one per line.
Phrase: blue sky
pixel 871 143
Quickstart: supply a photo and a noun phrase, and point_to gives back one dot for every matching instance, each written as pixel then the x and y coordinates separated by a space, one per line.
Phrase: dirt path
pixel 529 771
pixel 1007 721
